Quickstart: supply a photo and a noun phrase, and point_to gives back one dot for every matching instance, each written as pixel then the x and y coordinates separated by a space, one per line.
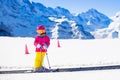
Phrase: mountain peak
pixel 92 10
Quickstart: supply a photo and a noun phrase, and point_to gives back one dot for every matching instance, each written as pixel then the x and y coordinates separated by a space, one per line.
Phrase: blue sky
pixel 107 7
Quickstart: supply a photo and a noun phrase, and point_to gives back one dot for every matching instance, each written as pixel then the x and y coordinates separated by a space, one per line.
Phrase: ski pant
pixel 39 59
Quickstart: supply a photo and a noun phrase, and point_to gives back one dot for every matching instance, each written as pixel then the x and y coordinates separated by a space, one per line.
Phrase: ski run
pixel 74 60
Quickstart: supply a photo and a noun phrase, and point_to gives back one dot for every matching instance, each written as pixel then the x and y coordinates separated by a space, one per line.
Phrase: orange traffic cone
pixel 26 49
pixel 58 43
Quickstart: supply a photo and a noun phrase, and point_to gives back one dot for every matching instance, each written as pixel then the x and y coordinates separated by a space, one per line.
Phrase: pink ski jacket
pixel 45 40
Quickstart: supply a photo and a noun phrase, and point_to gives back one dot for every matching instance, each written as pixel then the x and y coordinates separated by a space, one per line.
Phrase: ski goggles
pixel 41 31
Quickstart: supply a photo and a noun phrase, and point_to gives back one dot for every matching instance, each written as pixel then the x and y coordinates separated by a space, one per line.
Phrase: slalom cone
pixel 26 49
pixel 58 43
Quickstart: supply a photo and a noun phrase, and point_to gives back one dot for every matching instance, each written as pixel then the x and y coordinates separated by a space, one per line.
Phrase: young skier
pixel 41 42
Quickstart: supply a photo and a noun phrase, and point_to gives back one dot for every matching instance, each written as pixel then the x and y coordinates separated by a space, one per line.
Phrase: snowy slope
pixel 71 53
pixel 90 75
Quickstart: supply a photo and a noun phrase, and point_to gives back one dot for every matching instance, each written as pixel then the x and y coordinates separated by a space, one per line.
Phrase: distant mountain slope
pixel 21 17
pixel 113 30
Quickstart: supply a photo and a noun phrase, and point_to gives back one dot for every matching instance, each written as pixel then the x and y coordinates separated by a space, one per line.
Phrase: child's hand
pixel 38 46
pixel 45 46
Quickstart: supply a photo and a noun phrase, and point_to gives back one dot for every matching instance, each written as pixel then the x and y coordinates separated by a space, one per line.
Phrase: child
pixel 41 42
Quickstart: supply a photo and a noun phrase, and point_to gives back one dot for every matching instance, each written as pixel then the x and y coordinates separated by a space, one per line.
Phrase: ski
pixel 14 71
pixel 25 71
pixel 64 69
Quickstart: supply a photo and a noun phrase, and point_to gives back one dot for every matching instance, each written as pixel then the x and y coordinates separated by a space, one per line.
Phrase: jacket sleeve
pixel 48 41
pixel 35 41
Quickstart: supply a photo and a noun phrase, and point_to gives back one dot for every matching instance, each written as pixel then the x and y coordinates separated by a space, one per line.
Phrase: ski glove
pixel 38 46
pixel 45 46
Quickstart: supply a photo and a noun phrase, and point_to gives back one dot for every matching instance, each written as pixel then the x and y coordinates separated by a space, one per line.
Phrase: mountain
pixel 113 30
pixel 21 17
pixel 95 20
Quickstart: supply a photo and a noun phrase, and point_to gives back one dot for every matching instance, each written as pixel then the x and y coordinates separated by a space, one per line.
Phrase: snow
pixel 90 75
pixel 71 53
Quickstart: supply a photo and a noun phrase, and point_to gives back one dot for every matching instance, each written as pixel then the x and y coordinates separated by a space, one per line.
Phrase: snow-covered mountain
pixel 113 30
pixel 21 17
